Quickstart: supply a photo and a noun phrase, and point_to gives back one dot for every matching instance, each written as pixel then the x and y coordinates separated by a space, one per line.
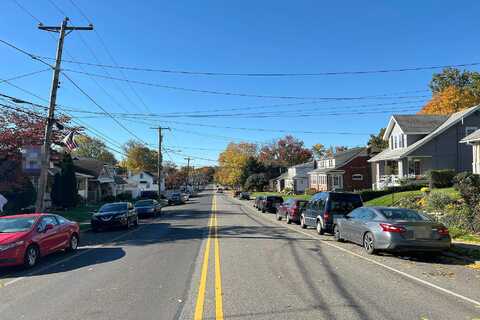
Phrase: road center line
pixel 218 275
pixel 404 274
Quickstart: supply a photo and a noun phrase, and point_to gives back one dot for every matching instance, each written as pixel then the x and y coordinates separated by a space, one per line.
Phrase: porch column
pixel 86 189
pixel 400 168
pixel 377 169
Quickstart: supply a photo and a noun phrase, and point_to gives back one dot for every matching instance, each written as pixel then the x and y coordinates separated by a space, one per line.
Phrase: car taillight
pixel 326 215
pixel 387 227
pixel 443 231
pixel 294 210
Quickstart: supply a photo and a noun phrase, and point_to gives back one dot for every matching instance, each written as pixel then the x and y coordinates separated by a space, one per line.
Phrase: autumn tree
pixel 93 148
pixel 453 90
pixel 139 157
pixel 232 162
pixel 318 150
pixel 287 151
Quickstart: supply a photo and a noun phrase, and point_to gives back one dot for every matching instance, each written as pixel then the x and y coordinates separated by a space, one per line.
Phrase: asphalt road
pixel 254 268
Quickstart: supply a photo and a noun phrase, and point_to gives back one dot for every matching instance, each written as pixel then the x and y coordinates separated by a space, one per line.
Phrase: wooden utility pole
pixel 63 31
pixel 159 158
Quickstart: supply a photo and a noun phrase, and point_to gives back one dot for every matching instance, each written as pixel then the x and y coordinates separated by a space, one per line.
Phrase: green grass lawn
pixel 79 214
pixel 296 196
pixel 388 199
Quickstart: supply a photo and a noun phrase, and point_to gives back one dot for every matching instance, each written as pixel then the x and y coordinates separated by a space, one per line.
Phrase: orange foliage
pixel 450 100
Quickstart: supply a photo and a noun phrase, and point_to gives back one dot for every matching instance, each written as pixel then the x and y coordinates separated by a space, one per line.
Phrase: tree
pixel 377 141
pixel 256 182
pixel 287 151
pixel 139 157
pixel 56 193
pixel 232 161
pixel 453 90
pixel 68 183
pixel 252 166
pixel 319 150
pixel 450 100
pixel 93 148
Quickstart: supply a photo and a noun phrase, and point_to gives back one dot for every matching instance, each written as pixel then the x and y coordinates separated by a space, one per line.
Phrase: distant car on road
pixel 392 229
pixel 148 207
pixel 117 214
pixel 237 193
pixel 27 237
pixel 291 210
pixel 325 207
pixel 244 196
pixel 175 198
pixel 219 190
pixel 270 203
pixel 185 196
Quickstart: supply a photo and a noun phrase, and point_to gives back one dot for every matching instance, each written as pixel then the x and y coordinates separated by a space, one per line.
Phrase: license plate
pixel 423 233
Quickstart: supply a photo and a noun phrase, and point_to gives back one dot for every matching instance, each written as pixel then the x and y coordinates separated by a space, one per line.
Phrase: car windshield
pixel 344 203
pixel 10 225
pixel 402 214
pixel 301 203
pixel 276 199
pixel 144 203
pixel 113 207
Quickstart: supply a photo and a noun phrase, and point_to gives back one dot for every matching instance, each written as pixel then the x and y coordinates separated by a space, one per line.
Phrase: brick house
pixel 347 170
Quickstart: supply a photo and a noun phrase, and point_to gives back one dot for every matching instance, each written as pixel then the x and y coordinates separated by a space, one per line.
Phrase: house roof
pixel 341 158
pixel 416 123
pixel 304 165
pixel 88 166
pixel 475 136
pixel 389 154
pixel 119 180
pixel 282 176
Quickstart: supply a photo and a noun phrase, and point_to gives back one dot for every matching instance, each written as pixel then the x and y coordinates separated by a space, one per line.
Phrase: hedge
pixel 441 178
pixel 369 194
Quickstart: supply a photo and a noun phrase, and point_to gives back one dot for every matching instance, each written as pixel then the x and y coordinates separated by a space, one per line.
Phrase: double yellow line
pixel 212 230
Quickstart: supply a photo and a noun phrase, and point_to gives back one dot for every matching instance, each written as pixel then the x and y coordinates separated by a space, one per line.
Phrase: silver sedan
pixel 392 229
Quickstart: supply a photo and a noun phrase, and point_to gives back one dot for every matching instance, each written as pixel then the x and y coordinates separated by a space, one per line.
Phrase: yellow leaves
pixel 232 162
pixel 450 100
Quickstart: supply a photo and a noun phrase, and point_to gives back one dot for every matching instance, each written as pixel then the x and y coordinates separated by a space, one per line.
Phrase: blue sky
pixel 243 37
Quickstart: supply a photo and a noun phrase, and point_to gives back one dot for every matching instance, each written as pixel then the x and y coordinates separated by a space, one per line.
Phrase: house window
pixel 330 163
pixel 357 177
pixel 404 140
pixel 337 181
pixel 470 130
pixel 400 138
pixel 391 142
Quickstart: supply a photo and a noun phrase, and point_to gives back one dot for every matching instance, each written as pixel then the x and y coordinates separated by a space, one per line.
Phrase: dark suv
pixel 325 207
pixel 270 203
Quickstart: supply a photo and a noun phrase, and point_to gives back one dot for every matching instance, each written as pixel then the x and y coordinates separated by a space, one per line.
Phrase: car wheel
pixel 263 210
pixel 279 217
pixel 320 230
pixel 73 245
pixel 287 217
pixel 31 256
pixel 302 223
pixel 336 233
pixel 369 243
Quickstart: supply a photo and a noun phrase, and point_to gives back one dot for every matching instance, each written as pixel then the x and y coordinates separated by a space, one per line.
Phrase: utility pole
pixel 188 172
pixel 159 158
pixel 63 31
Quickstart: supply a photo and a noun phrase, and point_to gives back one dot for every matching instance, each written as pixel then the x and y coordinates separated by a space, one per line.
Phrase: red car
pixel 25 238
pixel 290 210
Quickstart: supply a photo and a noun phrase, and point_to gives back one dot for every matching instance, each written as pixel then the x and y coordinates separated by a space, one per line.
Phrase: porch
pixel 392 173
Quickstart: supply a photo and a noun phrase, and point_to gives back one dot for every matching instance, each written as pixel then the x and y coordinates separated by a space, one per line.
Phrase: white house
pixel 143 181
pixel 296 178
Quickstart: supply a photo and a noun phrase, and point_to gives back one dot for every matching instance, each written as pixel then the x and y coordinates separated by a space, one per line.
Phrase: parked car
pixel 185 196
pixel 117 214
pixel 325 207
pixel 291 209
pixel 25 238
pixel 270 203
pixel 148 207
pixel 175 198
pixel 392 229
pixel 244 196
pixel 219 190
pixel 237 193
pixel 258 201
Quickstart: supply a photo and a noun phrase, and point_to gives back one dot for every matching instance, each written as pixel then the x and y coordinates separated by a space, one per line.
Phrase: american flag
pixel 69 141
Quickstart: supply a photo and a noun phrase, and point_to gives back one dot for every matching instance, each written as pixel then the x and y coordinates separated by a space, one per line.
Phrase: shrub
pixel 438 201
pixel 370 194
pixel 20 196
pixel 457 216
pixel 441 178
pixel 310 191
pixel 409 202
pixel 468 185
pixel 125 196
pixel 425 190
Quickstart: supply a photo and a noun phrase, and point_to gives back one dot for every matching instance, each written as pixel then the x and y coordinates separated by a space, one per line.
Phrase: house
pixel 143 181
pixel 419 143
pixel 474 140
pixel 279 184
pixel 345 170
pixel 296 177
pixel 96 180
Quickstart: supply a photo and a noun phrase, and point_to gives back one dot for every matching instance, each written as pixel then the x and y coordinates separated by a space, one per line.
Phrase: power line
pixel 331 73
pixel 26 11
pixel 150 84
pixel 25 75
pixel 34 57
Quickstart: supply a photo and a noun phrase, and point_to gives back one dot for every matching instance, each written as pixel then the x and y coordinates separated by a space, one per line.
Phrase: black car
pixel 244 196
pixel 148 207
pixel 118 214
pixel 325 207
pixel 270 203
